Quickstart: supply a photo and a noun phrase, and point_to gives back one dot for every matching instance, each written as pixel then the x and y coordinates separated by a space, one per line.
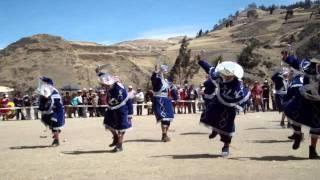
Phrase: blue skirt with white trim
pixel 163 109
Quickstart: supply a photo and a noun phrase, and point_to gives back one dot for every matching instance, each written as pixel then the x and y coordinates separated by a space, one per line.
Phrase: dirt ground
pixel 260 150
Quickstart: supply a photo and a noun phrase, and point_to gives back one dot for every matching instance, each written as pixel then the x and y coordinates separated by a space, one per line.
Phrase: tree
pixel 263 7
pixel 236 14
pixel 252 6
pixel 252 14
pixel 307 4
pixel 200 33
pixel 272 8
pixel 246 57
pixel 184 68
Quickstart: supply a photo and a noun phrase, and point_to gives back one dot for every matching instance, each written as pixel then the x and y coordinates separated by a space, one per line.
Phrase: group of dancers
pixel 224 96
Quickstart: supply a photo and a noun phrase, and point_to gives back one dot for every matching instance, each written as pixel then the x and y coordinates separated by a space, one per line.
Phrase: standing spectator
pixel 266 95
pixel 139 96
pixel 74 102
pixel 184 98
pixel 148 100
pixel 27 104
pixel 78 101
pixel 256 93
pixel 84 102
pixel 66 103
pixel 102 102
pixel 4 100
pixel 95 100
pixel 173 94
pixel 246 105
pixel 90 102
pixel 192 97
pixel 35 102
pixel 200 92
pixel 18 101
pixel 131 92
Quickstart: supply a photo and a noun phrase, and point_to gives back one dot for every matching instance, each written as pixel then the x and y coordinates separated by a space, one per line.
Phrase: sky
pixel 112 21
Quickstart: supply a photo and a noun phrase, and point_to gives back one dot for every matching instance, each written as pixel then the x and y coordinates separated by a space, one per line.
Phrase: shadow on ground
pixel 188 156
pixel 86 152
pixel 143 140
pixel 270 141
pixel 194 133
pixel 30 147
pixel 271 158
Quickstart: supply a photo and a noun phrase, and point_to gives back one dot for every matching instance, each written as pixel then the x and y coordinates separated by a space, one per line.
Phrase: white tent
pixel 5 89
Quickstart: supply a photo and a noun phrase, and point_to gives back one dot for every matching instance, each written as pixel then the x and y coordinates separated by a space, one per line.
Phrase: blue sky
pixel 110 21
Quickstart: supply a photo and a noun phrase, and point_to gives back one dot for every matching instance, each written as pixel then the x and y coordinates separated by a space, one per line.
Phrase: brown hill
pixel 22 62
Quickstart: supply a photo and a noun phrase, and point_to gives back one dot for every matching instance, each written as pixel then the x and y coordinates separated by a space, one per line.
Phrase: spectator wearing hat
pixel 266 95
pixel 139 97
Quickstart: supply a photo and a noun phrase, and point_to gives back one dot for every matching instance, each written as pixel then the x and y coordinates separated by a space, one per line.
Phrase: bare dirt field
pixel 260 150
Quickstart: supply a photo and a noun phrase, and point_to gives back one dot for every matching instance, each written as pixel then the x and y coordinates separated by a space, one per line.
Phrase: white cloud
pixel 165 33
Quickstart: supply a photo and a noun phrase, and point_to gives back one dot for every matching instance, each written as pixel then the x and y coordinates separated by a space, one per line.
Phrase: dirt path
pixel 260 150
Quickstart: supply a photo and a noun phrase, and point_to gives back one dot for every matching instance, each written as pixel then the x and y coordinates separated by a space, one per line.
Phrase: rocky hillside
pixel 22 62
pixel 74 62
pixel 271 33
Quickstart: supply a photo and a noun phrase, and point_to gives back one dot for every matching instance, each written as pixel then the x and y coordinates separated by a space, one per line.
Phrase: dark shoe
pixel 165 138
pixel 297 141
pixel 225 151
pixel 282 124
pixel 117 149
pixel 114 142
pixel 55 142
pixel 292 137
pixel 213 135
pixel 313 153
pixel 289 125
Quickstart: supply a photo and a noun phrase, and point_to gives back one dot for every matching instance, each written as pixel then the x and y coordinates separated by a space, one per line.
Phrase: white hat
pixel 106 79
pixel 164 68
pixel 229 68
pixel 130 87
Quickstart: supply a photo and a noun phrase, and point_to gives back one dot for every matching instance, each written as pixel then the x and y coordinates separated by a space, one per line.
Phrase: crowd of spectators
pixel 87 102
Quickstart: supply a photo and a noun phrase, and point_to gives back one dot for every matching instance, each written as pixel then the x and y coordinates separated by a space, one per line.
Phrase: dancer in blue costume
pixel 304 108
pixel 119 112
pixel 51 107
pixel 227 96
pixel 280 80
pixel 162 105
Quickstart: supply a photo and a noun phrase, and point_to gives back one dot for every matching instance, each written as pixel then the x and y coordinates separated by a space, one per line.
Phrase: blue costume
pixel 293 88
pixel 162 105
pixel 222 99
pixel 281 86
pixel 51 107
pixel 304 108
pixel 52 110
pixel 120 109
